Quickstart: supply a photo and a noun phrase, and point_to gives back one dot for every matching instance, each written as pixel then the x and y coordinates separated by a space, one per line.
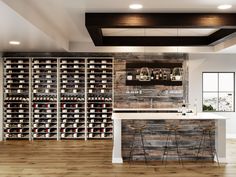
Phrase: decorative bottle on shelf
pixel 184 110
pixel 137 75
pixel 129 76
pixel 152 75
pixel 160 75
pixel 164 75
pixel 157 75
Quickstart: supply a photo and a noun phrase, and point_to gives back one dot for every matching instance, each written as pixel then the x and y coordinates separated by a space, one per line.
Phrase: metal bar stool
pixel 138 131
pixel 206 145
pixel 172 130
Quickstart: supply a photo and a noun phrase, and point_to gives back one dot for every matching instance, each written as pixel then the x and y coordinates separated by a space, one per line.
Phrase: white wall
pixel 199 63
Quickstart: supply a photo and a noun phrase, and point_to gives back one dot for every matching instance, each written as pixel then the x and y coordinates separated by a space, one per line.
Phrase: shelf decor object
pixel 162 73
pixel 72 98
pixel 144 74
pixel 177 74
pixel 16 98
pixel 44 98
pixel 99 98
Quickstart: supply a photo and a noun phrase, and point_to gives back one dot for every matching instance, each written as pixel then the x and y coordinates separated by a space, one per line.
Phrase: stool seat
pixel 137 127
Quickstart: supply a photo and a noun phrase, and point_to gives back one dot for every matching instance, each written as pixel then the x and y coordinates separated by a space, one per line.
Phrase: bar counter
pixel 155 132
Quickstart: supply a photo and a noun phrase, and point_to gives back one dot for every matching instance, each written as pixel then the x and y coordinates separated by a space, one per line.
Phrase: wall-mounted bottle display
pixel 44 99
pixel 99 97
pixel 154 73
pixel 58 98
pixel 16 98
pixel 72 102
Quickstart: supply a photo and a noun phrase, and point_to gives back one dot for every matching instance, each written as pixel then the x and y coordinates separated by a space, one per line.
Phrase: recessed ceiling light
pixel 14 42
pixel 135 6
pixel 224 6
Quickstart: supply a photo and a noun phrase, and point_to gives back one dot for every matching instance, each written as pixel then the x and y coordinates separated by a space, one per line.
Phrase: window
pixel 218 91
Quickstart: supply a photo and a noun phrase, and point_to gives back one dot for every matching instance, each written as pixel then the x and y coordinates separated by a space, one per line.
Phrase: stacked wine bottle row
pixel 44 73
pixel 52 98
pixel 99 98
pixel 72 98
pixel 16 103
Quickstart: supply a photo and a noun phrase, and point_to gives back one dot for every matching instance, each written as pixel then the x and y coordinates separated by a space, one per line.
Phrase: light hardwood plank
pixel 75 158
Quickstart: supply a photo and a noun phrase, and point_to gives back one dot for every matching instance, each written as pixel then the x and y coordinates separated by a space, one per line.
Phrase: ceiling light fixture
pixel 14 42
pixel 135 6
pixel 224 6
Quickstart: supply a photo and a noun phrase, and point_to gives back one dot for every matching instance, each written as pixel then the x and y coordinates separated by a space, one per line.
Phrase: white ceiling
pixel 59 25
pixel 157 32
pixel 15 28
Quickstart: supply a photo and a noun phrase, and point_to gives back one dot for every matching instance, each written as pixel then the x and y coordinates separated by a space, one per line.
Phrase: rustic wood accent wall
pixel 154 96
pixel 155 135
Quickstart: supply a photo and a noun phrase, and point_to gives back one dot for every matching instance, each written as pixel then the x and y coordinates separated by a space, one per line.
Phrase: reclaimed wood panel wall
pixel 155 134
pixel 160 96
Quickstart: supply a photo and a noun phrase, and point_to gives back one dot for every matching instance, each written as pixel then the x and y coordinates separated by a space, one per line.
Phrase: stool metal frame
pixel 171 129
pixel 207 132
pixel 138 131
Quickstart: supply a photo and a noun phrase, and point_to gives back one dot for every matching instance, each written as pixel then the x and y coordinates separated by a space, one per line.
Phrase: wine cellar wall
pixel 72 105
pixel 57 98
pixel 16 114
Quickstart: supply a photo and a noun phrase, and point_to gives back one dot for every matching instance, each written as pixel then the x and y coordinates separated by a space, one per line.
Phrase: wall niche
pixel 160 89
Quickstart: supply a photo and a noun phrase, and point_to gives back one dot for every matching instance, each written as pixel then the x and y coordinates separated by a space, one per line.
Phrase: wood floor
pixel 93 158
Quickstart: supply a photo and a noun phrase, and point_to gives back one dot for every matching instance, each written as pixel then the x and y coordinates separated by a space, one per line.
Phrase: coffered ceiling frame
pixel 224 22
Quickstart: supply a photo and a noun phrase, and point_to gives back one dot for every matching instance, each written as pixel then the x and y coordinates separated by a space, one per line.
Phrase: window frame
pixel 218 92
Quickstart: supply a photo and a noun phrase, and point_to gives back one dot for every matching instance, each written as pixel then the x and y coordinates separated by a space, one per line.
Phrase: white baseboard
pixel 117 160
pixel 230 136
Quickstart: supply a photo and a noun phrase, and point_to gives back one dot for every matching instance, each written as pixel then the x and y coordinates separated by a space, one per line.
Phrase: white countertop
pixel 161 116
pixel 145 109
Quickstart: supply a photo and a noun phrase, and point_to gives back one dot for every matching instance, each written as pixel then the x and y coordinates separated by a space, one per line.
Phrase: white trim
pixel 231 136
pixel 117 160
pixel 221 160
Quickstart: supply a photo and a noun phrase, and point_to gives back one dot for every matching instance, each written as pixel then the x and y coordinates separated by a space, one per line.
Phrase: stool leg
pixel 177 148
pixel 132 148
pixel 141 134
pixel 167 152
pixel 165 148
pixel 200 144
pixel 203 144
pixel 213 152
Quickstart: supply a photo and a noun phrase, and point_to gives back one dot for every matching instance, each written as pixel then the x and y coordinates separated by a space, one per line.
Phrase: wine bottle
pixel 164 75
pixel 129 76
pixel 184 110
pixel 152 75
pixel 160 75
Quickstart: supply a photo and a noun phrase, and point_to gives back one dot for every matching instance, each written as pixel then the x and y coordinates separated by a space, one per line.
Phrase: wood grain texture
pixel 94 22
pixel 155 135
pixel 93 159
pixel 161 96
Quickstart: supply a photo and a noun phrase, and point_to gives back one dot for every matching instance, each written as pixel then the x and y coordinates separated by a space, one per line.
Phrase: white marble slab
pixel 161 116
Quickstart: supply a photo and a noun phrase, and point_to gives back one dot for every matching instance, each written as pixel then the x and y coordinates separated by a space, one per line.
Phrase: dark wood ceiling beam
pixel 96 35
pixel 161 20
pixel 220 36
pixel 96 21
